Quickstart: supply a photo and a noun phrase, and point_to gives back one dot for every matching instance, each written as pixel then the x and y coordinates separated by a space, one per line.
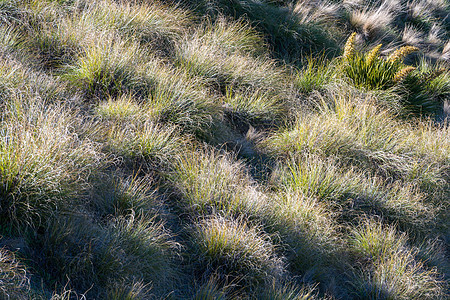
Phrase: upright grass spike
pixel 373 54
pixel 400 75
pixel 399 54
pixel 349 48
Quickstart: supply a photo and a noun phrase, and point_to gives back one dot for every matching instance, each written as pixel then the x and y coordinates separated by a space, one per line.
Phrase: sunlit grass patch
pixel 216 55
pixel 233 248
pixel 353 193
pixel 109 67
pixel 148 21
pixel 253 106
pixel 42 161
pixel 309 229
pixel 394 271
pixel 288 291
pixel 315 75
pixel 362 133
pixel 150 141
pixel 178 100
pixel 123 108
pixel 210 182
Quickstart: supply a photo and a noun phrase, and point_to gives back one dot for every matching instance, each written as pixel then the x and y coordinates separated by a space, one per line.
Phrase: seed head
pixel 400 75
pixel 373 54
pixel 349 48
pixel 401 53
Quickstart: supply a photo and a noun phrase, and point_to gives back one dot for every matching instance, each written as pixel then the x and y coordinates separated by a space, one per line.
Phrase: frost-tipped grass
pixel 109 67
pixel 308 228
pixel 149 249
pixel 356 193
pixel 395 272
pixel 122 108
pixel 233 248
pixel 221 61
pixel 123 196
pixel 288 291
pixel 132 249
pixel 255 106
pixel 179 100
pixel 150 141
pixel 148 21
pixel 42 161
pixel 365 134
pixel 210 182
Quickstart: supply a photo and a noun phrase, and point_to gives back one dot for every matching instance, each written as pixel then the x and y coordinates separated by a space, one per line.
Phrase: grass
pixel 15 283
pixel 231 248
pixel 224 149
pixel 42 161
pixel 396 271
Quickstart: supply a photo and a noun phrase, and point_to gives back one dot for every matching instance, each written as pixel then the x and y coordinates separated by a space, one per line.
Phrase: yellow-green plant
pixel 371 71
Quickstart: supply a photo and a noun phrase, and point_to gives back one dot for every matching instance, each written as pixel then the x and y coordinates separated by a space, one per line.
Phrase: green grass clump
pixel 396 273
pixel 233 248
pixel 108 68
pixel 358 131
pixel 132 249
pixel 210 182
pixel 257 107
pixel 315 75
pixel 42 162
pixel 216 55
pixel 220 150
pixel 149 141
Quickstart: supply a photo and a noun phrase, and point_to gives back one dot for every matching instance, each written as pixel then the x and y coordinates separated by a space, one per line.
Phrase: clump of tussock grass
pixel 123 108
pixel 353 193
pixel 233 248
pixel 210 182
pixel 215 289
pixel 179 100
pixel 374 21
pixel 166 96
pixel 20 81
pixel 288 36
pixel 43 161
pixel 309 230
pixel 149 22
pixel 15 283
pixel 318 11
pixel 360 132
pixel 149 141
pixel 129 291
pixel 255 107
pixel 109 67
pixel 99 260
pixel 222 54
pixel 119 196
pixel 317 73
pixel 288 291
pixel 395 272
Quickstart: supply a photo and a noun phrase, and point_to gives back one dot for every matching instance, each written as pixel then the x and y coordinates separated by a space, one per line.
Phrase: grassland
pixel 224 149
